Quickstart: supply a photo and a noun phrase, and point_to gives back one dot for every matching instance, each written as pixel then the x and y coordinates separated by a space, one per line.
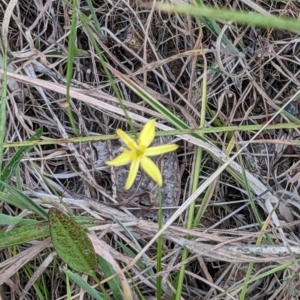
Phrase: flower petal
pixel 152 170
pixel 147 134
pixel 132 173
pixel 158 150
pixel 129 142
pixel 121 160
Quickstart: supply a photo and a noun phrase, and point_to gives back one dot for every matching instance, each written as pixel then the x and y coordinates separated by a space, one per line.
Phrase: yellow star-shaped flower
pixel 137 153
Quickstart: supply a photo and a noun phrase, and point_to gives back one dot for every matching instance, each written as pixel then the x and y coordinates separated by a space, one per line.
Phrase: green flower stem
pixel 159 249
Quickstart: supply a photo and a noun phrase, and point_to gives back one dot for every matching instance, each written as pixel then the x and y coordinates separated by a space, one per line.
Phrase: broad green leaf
pixel 71 242
pixel 10 168
pixel 83 284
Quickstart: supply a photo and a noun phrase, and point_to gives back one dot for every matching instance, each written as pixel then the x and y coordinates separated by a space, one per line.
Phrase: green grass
pixel 140 247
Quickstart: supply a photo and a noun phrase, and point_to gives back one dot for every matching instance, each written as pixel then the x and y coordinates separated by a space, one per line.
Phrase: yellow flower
pixel 137 153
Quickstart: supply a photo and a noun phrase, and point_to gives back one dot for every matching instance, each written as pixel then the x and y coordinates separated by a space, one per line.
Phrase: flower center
pixel 140 150
pixel 137 152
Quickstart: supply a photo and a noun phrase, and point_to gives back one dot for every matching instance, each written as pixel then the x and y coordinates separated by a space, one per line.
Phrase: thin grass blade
pixel 23 200
pixel 84 285
pixel 14 162
pixel 114 283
